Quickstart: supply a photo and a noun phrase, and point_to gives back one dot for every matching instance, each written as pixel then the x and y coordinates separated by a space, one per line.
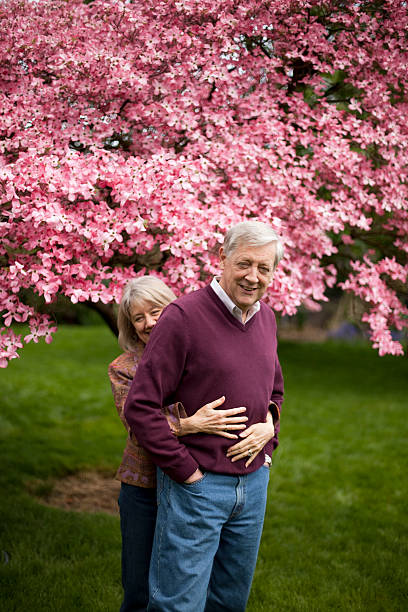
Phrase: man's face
pixel 247 272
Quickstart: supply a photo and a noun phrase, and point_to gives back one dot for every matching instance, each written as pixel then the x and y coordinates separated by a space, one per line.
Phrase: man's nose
pixel 252 274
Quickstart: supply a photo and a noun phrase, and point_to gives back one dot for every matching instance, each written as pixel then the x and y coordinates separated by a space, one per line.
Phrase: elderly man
pixel 218 341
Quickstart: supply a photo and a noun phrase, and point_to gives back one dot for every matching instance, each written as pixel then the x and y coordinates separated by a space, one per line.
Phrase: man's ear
pixel 222 256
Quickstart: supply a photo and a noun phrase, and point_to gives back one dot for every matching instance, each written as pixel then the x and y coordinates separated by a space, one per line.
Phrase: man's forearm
pixel 154 386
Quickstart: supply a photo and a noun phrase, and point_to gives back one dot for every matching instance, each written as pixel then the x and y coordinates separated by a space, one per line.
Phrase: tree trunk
pixel 108 314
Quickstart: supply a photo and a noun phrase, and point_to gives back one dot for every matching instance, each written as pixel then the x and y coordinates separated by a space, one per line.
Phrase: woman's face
pixel 144 317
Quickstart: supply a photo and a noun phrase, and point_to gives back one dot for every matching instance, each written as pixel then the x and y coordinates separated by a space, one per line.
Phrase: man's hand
pixel 255 438
pixel 197 475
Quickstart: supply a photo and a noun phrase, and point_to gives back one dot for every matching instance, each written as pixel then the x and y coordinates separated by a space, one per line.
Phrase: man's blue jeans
pixel 137 521
pixel 206 542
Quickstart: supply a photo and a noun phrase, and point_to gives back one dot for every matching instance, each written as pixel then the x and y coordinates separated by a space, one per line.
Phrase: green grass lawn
pixel 335 535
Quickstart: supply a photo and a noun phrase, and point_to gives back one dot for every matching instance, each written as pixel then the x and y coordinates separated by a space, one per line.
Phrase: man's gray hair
pixel 253 233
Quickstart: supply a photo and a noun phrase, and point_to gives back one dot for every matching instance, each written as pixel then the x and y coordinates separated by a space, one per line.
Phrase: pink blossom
pixel 133 126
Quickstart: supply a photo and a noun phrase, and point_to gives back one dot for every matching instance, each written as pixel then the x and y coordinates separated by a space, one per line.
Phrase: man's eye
pixel 264 270
pixel 243 264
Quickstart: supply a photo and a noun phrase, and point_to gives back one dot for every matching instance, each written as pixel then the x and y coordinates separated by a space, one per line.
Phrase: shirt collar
pixel 232 307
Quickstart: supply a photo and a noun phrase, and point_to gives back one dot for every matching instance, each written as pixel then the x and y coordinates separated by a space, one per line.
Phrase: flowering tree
pixel 133 134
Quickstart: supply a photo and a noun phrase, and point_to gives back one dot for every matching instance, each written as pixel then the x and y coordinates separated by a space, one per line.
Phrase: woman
pixel 142 303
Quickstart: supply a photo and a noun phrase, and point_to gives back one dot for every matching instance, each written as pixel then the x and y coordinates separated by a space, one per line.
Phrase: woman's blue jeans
pixel 138 510
pixel 206 542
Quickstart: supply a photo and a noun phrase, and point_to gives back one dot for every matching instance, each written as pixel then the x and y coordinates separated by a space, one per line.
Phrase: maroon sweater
pixel 197 352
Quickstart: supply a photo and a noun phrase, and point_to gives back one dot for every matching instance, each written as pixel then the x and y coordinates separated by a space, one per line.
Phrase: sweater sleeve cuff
pixel 180 474
pixel 275 410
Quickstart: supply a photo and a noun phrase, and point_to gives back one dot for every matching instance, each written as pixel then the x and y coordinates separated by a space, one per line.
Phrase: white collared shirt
pixel 232 307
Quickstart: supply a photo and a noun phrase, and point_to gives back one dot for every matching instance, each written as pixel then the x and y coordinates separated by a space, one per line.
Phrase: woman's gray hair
pixel 141 290
pixel 253 233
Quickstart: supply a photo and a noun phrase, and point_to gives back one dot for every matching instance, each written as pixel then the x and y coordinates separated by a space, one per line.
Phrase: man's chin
pixel 246 304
